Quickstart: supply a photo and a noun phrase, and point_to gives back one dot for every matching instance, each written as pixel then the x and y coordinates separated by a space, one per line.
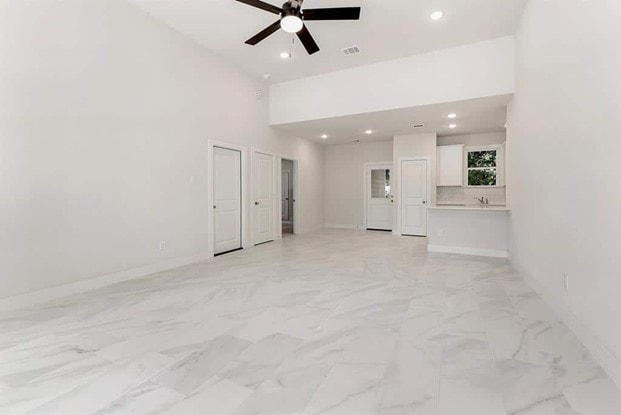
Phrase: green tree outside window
pixel 482 168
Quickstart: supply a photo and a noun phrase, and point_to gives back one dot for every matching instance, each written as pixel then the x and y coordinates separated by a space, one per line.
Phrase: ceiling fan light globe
pixel 291 24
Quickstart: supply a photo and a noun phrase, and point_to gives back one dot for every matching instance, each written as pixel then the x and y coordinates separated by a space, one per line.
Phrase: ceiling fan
pixel 292 19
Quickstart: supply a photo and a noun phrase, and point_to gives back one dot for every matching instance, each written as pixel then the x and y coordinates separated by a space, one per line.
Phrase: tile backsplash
pixel 466 195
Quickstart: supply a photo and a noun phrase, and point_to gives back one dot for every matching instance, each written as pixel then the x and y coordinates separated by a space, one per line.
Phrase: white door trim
pixel 366 188
pixel 296 192
pixel 398 198
pixel 276 214
pixel 244 192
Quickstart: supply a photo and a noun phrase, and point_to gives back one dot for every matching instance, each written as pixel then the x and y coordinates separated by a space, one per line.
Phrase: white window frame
pixel 500 164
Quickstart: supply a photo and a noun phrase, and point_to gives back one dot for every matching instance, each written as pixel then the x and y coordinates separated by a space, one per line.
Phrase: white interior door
pixel 263 192
pixel 285 195
pixel 227 199
pixel 379 197
pixel 414 197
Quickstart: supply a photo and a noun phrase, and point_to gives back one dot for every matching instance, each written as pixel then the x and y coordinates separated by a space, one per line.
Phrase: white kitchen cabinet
pixel 451 165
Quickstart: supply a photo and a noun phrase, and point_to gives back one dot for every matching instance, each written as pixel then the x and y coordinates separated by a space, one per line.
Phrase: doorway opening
pixel 287 198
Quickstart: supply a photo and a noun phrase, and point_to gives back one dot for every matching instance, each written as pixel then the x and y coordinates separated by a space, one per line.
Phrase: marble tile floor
pixel 335 322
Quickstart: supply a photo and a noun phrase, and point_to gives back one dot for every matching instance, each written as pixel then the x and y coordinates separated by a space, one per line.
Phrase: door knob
pixel 256 203
pixel 214 206
pixel 424 202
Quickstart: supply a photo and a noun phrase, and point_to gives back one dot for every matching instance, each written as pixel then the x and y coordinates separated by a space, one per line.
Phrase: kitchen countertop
pixel 496 208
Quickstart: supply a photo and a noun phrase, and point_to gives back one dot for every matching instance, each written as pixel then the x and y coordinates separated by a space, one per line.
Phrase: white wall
pixel 104 116
pixel 472 71
pixel 345 180
pixel 563 161
pixel 414 145
pixel 474 232
pixel 473 139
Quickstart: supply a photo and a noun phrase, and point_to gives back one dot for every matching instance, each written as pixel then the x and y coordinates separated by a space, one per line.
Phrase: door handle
pixel 256 203
pixel 424 202
pixel 214 206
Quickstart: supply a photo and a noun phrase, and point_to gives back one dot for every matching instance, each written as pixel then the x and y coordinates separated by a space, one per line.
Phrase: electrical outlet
pixel 566 282
pixel 162 245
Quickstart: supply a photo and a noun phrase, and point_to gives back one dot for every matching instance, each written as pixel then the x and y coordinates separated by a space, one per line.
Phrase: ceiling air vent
pixel 352 50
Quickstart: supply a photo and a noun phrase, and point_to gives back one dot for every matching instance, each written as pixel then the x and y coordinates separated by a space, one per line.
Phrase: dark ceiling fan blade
pixel 264 33
pixel 262 5
pixel 307 40
pixel 336 13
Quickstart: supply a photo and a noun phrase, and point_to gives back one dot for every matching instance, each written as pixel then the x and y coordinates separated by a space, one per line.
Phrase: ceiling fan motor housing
pixel 292 8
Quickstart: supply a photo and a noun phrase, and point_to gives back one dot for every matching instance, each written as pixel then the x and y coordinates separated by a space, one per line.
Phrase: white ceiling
pixel 483 115
pixel 388 29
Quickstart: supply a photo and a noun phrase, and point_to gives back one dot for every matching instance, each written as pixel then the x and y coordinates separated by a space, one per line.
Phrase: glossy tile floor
pixel 336 322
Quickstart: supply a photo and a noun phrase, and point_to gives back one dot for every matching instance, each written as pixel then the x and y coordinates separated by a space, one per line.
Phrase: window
pixel 484 166
pixel 380 184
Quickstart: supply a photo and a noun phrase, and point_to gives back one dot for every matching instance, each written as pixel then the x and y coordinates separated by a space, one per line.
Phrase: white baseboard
pixel 48 294
pixel 607 359
pixel 467 251
pixel 337 226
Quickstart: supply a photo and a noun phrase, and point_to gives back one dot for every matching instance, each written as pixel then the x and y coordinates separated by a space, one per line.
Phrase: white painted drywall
pixel 414 145
pixel 484 232
pixel 344 181
pixel 473 139
pixel 563 152
pixel 473 71
pixel 105 115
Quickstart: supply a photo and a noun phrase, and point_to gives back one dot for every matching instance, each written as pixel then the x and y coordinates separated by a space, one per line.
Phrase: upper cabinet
pixel 451 165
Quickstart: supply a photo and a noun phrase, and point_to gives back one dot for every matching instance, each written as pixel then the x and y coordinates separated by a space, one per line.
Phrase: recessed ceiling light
pixel 453 126
pixel 368 132
pixel 324 136
pixel 437 15
pixel 285 55
pixel 452 115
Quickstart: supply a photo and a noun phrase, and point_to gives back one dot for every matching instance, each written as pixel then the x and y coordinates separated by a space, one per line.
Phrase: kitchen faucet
pixel 482 200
